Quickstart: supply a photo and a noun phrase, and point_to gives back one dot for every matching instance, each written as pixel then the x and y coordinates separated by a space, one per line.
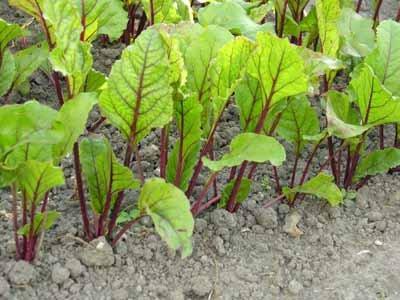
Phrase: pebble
pixel 267 217
pixel 21 273
pixel 4 286
pixel 291 222
pixel 374 216
pixel 295 287
pixel 59 274
pixel 75 267
pixel 97 253
pixel 378 243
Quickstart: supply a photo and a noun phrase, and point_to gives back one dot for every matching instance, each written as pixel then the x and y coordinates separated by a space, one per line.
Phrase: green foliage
pixel 251 147
pixel 42 221
pixel 328 13
pixel 169 209
pixel 321 186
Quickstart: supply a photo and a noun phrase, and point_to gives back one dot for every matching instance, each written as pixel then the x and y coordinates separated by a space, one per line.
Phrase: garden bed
pixel 348 252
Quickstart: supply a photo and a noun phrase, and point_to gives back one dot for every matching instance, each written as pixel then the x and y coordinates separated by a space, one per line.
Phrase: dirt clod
pixel 4 287
pixel 59 274
pixel 97 253
pixel 21 273
pixel 267 217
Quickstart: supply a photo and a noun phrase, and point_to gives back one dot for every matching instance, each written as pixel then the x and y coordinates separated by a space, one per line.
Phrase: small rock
pixel 283 209
pixel 75 267
pixel 59 274
pixel 291 222
pixel 362 197
pixel 120 294
pixel 200 225
pixel 223 218
pixel 374 216
pixel 218 244
pixel 334 212
pixel 267 217
pixel 295 287
pixel 21 273
pixel 201 286
pixel 4 286
pixel 378 243
pixel 97 253
pixel 381 225
pixel 121 248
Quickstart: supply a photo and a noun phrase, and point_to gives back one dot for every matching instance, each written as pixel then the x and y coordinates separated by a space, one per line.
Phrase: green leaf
pixel 37 178
pixel 126 217
pixel 251 147
pixel 31 7
pixel 228 70
pixel 357 33
pixel 28 61
pixel 102 172
pixel 299 119
pixel 73 116
pixel 231 16
pixel 385 60
pixel 328 12
pixel 282 74
pixel 138 96
pixel 9 32
pixel 170 211
pixel 102 17
pixel 243 193
pixel 41 221
pixel 95 81
pixel 7 72
pixel 321 186
pixel 185 152
pixel 169 11
pixel 377 106
pixel 377 162
pixel 342 119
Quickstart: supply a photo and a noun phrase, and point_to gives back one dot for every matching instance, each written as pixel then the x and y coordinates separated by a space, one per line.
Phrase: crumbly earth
pixel 350 252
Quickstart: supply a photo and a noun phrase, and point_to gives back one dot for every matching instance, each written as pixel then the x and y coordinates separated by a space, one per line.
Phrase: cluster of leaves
pixel 183 68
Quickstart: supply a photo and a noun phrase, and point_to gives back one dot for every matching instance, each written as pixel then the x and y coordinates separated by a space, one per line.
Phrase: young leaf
pixel 282 74
pixel 385 60
pixel 27 61
pixel 37 178
pixel 169 11
pixel 375 102
pixel 185 153
pixel 342 119
pixel 94 82
pixel 251 147
pixel 102 170
pixel 9 32
pixel 169 209
pixel 7 72
pixel 298 119
pixel 232 16
pixel 377 162
pixel 138 96
pixel 73 117
pixel 321 186
pixel 242 195
pixel 328 12
pixel 102 17
pixel 357 34
pixel 42 221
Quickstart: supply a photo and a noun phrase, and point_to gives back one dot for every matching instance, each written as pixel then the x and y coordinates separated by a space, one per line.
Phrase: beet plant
pixel 318 78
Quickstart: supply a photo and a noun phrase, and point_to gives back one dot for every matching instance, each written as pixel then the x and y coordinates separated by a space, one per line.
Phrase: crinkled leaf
pixel 231 16
pixel 377 106
pixel 377 162
pixel 37 178
pixel 169 209
pixel 251 147
pixel 328 12
pixel 41 221
pixel 139 82
pixel 321 186
pixel 186 150
pixel 73 117
pixel 298 120
pixel 9 32
pixel 243 193
pixel 356 32
pixel 7 72
pixel 102 172
pixel 385 60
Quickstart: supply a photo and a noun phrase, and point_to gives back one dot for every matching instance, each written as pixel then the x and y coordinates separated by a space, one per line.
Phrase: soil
pixel 350 252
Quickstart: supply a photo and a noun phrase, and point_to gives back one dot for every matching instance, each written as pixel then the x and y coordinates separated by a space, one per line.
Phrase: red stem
pixel 197 204
pixel 296 160
pixel 236 187
pixel 124 229
pixel 381 137
pixel 332 159
pixel 358 7
pixel 107 205
pixel 163 151
pixel 209 203
pixel 96 124
pixel 398 15
pixel 15 220
pixel 376 13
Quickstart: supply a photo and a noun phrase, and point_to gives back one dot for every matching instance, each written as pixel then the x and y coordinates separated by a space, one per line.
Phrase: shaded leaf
pixel 9 32
pixel 243 193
